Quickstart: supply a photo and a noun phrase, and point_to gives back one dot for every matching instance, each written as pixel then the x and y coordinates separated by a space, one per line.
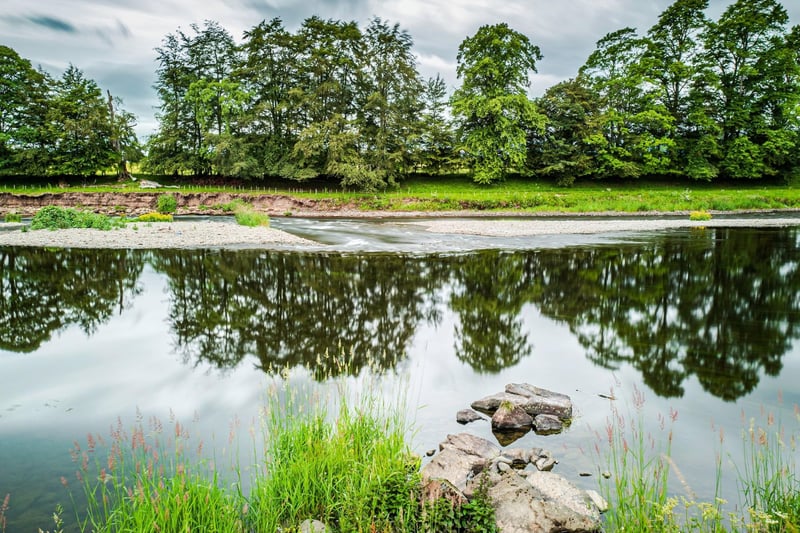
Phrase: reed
pixel 339 458
pixel 639 465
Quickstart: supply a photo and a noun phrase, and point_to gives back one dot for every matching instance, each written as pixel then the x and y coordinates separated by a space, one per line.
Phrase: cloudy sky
pixel 113 41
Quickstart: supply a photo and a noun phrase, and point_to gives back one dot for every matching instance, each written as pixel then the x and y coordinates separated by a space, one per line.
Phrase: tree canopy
pixel 690 98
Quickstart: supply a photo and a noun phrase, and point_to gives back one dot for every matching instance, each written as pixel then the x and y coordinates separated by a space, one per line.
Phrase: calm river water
pixel 704 322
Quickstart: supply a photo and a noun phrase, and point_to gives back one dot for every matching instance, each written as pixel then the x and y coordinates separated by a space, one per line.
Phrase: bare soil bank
pixel 189 203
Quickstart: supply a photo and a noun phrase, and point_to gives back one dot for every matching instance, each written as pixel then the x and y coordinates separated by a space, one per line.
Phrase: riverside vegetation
pixel 54 218
pixel 350 467
pixel 694 98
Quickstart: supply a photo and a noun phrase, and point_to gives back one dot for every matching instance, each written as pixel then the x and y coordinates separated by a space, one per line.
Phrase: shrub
pixel 166 204
pixel 699 215
pixel 53 217
pixel 13 217
pixel 154 217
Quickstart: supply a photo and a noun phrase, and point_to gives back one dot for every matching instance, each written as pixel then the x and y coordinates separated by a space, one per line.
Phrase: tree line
pixel 60 126
pixel 691 98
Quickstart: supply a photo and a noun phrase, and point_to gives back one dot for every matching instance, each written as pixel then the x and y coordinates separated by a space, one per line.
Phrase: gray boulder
pixel 533 400
pixel 542 401
pixel 461 457
pixel 547 424
pixel 510 417
pixel 466 416
pixel 555 488
pixel 520 507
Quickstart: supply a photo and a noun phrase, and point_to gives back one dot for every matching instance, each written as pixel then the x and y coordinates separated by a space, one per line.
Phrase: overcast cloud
pixel 113 41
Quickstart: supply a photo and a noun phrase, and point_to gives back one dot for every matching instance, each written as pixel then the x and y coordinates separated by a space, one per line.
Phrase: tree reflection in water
pixel 719 304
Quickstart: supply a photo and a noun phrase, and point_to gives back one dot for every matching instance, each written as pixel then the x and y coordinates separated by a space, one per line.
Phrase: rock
pixel 471 445
pixel 430 453
pixel 533 400
pixel 555 488
pixel 606 474
pixel 597 500
pixel 503 467
pixel 547 424
pixel 435 489
pixel 522 508
pixel 542 401
pixel 510 417
pixel 313 526
pixel 466 416
pixel 545 464
pixel 461 457
pixel 517 456
pixel 489 404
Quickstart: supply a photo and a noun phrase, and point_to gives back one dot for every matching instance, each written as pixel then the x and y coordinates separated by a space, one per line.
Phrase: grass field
pixel 445 193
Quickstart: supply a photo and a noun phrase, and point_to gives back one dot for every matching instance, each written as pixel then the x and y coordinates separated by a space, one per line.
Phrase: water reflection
pixel 45 291
pixel 720 304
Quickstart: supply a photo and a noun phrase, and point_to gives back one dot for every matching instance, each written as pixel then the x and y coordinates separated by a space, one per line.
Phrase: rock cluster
pixel 520 408
pixel 527 497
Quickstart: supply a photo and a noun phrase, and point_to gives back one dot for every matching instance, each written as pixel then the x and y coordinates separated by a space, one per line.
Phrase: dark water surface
pixel 704 322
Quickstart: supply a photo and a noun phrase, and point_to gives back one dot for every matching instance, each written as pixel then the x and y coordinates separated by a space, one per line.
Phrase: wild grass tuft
pixel 12 217
pixel 246 215
pixel 166 204
pixel 640 468
pixel 355 473
pixel 768 480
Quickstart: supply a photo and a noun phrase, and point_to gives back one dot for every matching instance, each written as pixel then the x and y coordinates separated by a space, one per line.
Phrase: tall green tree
pixel 267 72
pixel 753 88
pixel 631 136
pixel 392 92
pixel 199 100
pixel 492 106
pixel 24 92
pixel 436 143
pixel 561 150
pixel 324 103
pixel 80 127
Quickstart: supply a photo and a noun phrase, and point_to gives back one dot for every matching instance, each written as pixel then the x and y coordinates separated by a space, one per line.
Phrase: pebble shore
pixel 206 234
pixel 212 234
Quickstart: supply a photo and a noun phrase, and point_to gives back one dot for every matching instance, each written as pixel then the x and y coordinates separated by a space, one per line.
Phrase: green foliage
pixel 699 215
pixel 491 106
pixel 475 516
pixel 155 217
pixel 166 204
pixel 248 217
pixel 53 217
pixel 12 217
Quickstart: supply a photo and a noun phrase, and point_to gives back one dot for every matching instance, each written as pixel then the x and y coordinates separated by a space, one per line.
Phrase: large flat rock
pixel 534 400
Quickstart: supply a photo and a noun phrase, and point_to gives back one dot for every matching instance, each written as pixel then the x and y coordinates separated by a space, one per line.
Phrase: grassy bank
pixel 340 460
pixel 458 193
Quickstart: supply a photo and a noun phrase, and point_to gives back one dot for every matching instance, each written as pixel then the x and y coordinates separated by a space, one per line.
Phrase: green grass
pixel 456 192
pixel 53 218
pixel 245 214
pixel 639 486
pixel 340 459
pixel 12 217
